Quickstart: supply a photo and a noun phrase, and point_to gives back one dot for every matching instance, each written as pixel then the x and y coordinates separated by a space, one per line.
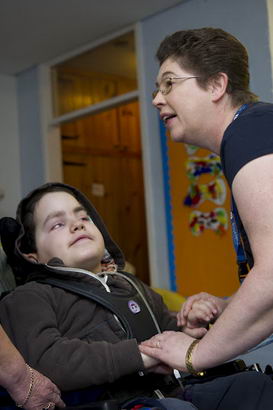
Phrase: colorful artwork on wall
pixel 199 236
pixel 197 166
pixel 214 191
pixel 191 149
pixel 217 220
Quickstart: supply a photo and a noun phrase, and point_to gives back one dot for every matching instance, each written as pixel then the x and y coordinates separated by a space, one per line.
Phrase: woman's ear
pixel 31 257
pixel 218 86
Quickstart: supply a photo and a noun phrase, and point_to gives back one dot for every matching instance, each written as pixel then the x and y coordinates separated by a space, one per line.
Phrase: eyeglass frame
pixel 169 89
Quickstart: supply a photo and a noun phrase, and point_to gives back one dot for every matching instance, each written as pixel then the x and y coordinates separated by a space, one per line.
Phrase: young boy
pixel 76 341
pixel 58 237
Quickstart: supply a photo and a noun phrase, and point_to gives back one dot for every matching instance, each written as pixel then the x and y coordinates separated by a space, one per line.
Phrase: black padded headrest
pixel 9 232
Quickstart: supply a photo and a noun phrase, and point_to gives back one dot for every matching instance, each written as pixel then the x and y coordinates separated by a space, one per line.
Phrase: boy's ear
pixel 32 257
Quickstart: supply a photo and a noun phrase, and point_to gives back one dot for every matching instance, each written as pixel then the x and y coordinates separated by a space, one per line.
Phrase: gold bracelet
pixel 29 389
pixel 188 360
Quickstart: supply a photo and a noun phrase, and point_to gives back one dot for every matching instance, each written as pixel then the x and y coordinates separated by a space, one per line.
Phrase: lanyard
pixel 240 110
pixel 238 243
pixel 243 267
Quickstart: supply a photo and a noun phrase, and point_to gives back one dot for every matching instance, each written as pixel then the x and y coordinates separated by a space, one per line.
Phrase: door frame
pixel 151 149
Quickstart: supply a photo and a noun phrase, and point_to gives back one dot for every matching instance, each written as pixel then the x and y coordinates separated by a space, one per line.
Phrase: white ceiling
pixel 36 31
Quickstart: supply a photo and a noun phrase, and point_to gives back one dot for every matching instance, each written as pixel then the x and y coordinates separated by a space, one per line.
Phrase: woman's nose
pixel 158 100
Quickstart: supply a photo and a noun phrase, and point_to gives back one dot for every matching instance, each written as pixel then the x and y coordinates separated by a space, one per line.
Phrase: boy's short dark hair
pixel 208 51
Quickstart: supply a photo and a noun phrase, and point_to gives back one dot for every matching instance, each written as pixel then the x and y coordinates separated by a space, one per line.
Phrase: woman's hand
pixel 44 394
pixel 168 347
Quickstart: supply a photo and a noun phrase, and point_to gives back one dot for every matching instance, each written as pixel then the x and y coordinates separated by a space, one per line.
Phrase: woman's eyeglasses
pixel 166 84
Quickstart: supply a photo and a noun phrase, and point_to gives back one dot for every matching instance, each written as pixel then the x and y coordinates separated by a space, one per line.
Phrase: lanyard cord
pixel 238 243
pixel 243 267
pixel 240 110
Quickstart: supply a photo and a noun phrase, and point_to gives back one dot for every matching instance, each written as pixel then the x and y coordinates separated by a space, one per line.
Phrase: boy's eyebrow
pixel 52 215
pixel 57 214
pixel 79 209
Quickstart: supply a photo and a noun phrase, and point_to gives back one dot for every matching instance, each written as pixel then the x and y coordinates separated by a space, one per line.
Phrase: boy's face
pixel 64 230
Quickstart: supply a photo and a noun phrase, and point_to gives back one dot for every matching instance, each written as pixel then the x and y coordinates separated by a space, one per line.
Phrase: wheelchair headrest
pixel 9 231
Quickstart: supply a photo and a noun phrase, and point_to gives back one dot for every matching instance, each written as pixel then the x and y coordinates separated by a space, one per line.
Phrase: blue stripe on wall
pixel 168 207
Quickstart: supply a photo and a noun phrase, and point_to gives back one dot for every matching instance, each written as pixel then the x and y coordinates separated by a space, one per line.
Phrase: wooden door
pixel 112 177
pixel 129 127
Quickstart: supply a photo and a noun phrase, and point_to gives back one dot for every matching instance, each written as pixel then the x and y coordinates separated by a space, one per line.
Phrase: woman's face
pixel 185 108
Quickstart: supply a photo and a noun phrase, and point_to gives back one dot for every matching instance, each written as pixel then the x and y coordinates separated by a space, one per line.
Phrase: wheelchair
pixel 90 398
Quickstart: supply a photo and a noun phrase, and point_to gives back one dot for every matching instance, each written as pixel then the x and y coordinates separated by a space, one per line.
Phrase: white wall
pixel 9 147
pixel 40 148
pixel 30 129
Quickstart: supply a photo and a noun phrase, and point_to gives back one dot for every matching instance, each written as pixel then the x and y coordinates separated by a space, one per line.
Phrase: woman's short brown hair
pixel 208 51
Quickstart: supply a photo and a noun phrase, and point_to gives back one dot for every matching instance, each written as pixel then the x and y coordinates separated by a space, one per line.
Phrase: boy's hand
pixel 153 365
pixel 148 361
pixel 199 317
pixel 198 311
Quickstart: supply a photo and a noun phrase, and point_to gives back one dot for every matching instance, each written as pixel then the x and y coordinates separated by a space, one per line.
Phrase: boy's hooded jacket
pixel 12 232
pixel 73 340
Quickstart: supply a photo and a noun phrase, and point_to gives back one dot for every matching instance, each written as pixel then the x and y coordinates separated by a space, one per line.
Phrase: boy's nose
pixel 78 225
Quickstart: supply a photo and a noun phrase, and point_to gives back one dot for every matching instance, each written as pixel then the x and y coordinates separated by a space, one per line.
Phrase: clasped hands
pixel 170 347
